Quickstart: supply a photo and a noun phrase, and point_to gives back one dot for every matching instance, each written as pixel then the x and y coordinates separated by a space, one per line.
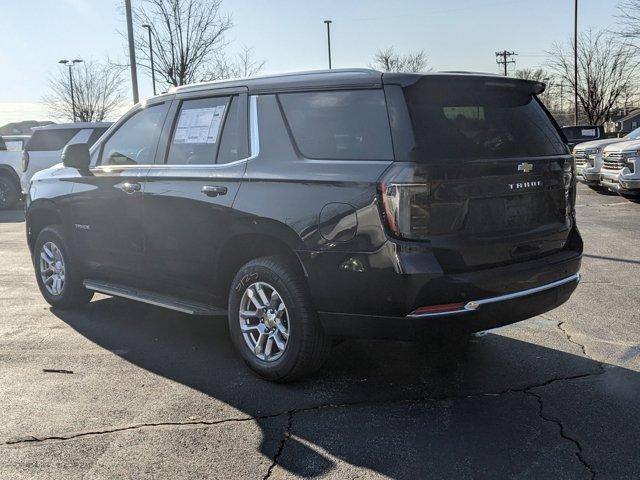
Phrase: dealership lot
pixel 123 389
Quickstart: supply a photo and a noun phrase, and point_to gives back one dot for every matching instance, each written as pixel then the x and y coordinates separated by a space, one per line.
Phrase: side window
pixel 97 133
pixel 346 125
pixel 50 139
pixel 135 141
pixel 81 137
pixel 197 131
pixel 233 144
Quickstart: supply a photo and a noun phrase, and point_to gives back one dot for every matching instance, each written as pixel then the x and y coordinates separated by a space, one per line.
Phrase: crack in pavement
pixel 292 412
pixel 557 421
pixel 33 438
pixel 571 340
pixel 285 437
pixel 563 433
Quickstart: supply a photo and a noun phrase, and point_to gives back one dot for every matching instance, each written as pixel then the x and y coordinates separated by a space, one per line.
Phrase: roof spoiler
pixel 406 79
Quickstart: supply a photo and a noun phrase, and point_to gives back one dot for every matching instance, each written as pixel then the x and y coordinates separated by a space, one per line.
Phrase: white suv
pixel 45 146
pixel 621 168
pixel 10 152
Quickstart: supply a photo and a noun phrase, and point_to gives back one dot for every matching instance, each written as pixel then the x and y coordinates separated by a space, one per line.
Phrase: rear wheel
pixel 9 193
pixel 57 273
pixel 272 322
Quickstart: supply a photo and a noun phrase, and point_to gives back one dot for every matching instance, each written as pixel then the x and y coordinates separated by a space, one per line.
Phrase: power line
pixel 502 58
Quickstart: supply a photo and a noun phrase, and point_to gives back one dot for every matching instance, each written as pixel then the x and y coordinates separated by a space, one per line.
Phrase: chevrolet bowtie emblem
pixel 525 167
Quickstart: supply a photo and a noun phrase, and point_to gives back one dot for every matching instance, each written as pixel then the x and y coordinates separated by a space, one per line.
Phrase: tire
pixel 305 350
pixel 9 193
pixel 71 293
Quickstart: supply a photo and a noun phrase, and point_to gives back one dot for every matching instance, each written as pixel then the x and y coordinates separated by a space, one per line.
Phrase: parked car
pixel 10 153
pixel 589 160
pixel 312 205
pixel 621 168
pixel 577 134
pixel 46 143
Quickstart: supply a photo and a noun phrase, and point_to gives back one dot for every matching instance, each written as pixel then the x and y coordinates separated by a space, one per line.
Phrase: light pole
pixel 575 60
pixel 132 51
pixel 153 70
pixel 328 22
pixel 70 64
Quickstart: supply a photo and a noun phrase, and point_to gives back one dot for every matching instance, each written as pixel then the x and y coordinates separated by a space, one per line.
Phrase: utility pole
pixel 328 22
pixel 132 51
pixel 502 58
pixel 153 70
pixel 562 95
pixel 575 60
pixel 70 64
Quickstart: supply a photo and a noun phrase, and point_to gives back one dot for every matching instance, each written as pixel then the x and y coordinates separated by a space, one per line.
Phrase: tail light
pixel 25 160
pixel 409 206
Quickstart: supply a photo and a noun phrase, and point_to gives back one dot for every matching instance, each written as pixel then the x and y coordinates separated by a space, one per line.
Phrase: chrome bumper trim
pixel 476 304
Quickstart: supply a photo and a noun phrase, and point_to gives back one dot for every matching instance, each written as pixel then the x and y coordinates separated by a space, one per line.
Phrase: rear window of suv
pixel 457 119
pixel 49 140
pixel 342 125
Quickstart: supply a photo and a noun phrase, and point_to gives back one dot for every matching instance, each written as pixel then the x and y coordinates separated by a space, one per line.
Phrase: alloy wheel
pixel 264 321
pixel 52 268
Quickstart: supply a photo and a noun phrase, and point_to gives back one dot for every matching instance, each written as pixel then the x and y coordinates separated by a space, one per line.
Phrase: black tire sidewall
pixel 11 190
pixel 298 308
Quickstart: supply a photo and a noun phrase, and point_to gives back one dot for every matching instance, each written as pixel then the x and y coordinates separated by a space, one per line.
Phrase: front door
pixel 188 198
pixel 107 201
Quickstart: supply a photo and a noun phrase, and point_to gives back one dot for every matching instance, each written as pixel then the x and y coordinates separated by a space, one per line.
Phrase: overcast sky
pixel 290 35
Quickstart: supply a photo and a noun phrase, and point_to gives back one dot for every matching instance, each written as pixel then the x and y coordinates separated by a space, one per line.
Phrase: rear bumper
pixel 476 315
pixel 356 289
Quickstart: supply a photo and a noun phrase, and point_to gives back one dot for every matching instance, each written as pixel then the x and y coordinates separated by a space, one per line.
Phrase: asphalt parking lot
pixel 121 389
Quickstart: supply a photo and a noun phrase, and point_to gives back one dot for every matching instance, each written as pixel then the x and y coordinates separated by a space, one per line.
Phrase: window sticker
pixel 588 132
pixel 199 125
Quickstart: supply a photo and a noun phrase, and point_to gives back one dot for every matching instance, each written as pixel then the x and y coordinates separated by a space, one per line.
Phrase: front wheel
pixel 56 272
pixel 272 322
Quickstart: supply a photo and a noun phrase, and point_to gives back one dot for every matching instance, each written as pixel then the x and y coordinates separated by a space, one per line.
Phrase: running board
pixel 152 298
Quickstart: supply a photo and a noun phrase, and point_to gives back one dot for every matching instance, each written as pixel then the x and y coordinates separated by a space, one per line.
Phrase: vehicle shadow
pixel 11 216
pixel 398 409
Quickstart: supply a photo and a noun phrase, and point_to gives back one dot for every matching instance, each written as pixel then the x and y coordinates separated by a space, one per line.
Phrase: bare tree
pixel 629 16
pixel 607 71
pixel 97 89
pixel 187 36
pixel 243 65
pixel 388 60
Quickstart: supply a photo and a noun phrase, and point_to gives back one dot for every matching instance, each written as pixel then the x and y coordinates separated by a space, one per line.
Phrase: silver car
pixel 589 157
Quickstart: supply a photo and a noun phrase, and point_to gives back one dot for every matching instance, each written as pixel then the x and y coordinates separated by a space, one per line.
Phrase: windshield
pixel 633 135
pixel 475 118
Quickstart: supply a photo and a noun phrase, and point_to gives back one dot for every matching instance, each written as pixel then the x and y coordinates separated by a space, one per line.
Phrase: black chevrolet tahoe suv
pixel 316 205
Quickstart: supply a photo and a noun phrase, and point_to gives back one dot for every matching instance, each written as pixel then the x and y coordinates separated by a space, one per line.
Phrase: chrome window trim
pixel 476 304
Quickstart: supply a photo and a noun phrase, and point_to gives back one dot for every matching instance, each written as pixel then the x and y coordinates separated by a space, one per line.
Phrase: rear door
pixel 496 176
pixel 190 191
pixel 107 202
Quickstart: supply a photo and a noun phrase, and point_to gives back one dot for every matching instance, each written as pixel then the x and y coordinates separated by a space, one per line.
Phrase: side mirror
pixel 76 156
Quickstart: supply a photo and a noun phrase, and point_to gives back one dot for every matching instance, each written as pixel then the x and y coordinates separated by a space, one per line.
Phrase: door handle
pixel 131 187
pixel 214 190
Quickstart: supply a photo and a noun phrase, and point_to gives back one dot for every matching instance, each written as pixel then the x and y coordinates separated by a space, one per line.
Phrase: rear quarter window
pixel 341 125
pixel 49 140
